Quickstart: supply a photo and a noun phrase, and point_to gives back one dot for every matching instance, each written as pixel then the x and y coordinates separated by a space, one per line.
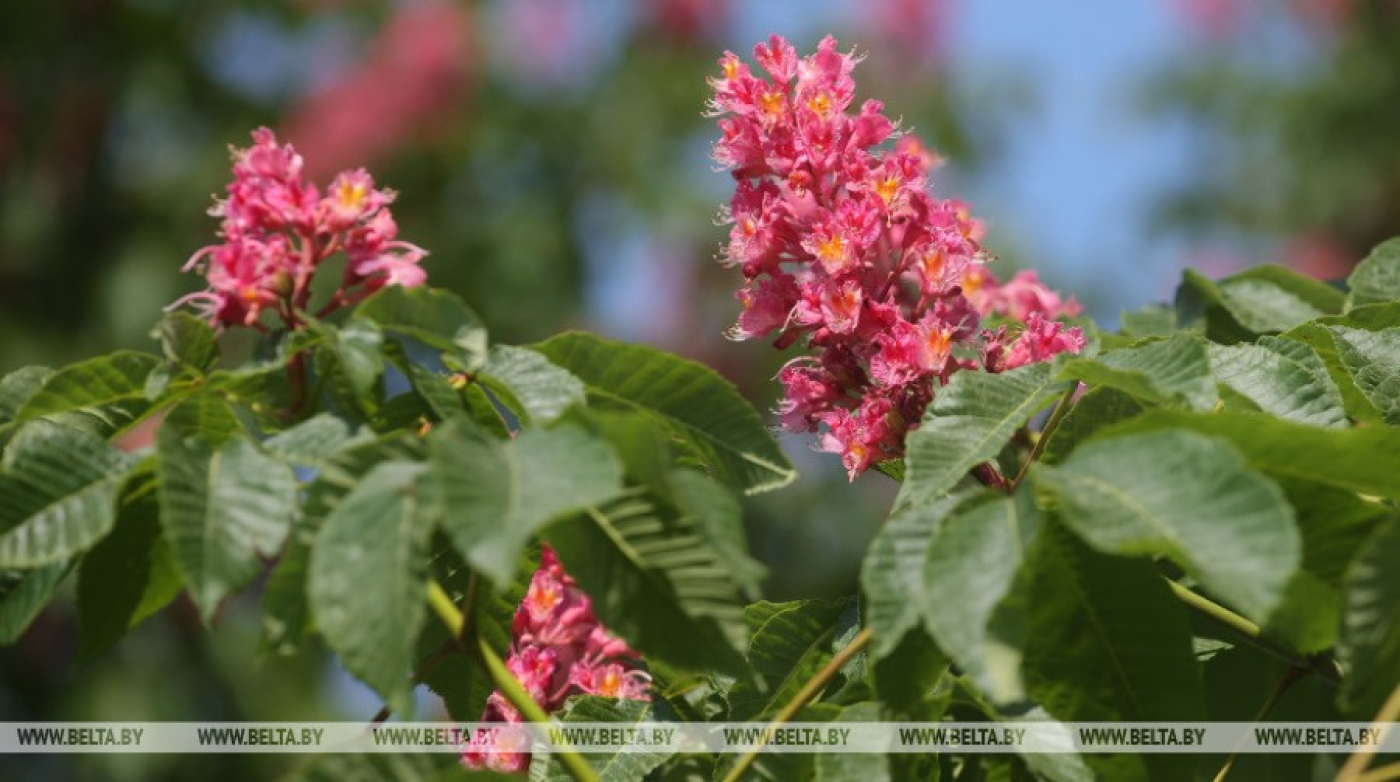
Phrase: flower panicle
pixel 558 649
pixel 841 244
pixel 276 229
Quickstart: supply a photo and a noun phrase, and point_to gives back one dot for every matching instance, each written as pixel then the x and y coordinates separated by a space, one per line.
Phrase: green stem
pixel 1253 634
pixel 506 682
pixel 1355 768
pixel 510 688
pixel 1057 415
pixel 810 690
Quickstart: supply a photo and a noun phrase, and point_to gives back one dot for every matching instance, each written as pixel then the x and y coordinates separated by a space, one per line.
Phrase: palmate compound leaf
pixel 368 573
pixel 716 426
pixel 970 421
pixel 224 505
pixel 496 494
pixel 58 493
pixel 1188 497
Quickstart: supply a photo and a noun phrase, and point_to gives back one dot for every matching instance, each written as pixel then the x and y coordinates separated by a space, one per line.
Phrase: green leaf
pixel 1153 320
pixel 286 617
pixel 892 573
pixel 187 341
pixel 311 442
pixel 368 576
pixel 530 384
pixel 1313 293
pixel 1364 460
pixel 127 577
pixel 1095 410
pixel 973 562
pixel 1167 372
pixel 1372 358
pixel 1376 279
pixel 907 678
pixel 1320 338
pixel 1187 497
pixel 655 582
pixel 969 422
pixel 58 494
pixel 790 643
pixel 1283 377
pixel 719 428
pixel 432 316
pixel 1333 522
pixel 497 494
pixel 350 365
pixel 839 767
pixel 1107 642
pixel 1199 304
pixel 17 387
pixel 1273 298
pixel 1369 650
pixel 719 523
pixel 23 596
pixel 222 507
pixel 618 766
pixel 112 387
pixel 1308 615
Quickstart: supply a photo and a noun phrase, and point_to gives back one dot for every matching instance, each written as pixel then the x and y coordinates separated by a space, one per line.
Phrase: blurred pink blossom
pixel 418 68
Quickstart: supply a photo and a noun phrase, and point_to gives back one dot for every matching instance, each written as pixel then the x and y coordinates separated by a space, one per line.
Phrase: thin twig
pixel 1057 415
pixel 810 690
pixel 1356 764
pixel 1290 676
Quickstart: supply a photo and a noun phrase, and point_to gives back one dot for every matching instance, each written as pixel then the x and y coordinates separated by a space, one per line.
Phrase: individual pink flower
pixel 842 246
pixel 558 649
pixel 277 230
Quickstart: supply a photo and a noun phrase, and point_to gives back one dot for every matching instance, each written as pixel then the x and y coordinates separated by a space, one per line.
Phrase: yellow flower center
pixel 771 103
pixel 887 188
pixel 832 250
pixel 351 194
pixel 611 684
pixel 820 103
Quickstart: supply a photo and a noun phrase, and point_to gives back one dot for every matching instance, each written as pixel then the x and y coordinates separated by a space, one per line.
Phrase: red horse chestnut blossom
pixel 278 229
pixel 559 649
pixel 841 243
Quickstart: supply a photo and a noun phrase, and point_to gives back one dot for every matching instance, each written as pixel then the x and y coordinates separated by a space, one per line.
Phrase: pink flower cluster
pixel 842 243
pixel 277 230
pixel 560 649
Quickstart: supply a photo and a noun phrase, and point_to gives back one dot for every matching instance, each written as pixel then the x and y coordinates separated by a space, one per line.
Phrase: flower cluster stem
pixel 810 690
pixel 505 681
pixel 510 688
